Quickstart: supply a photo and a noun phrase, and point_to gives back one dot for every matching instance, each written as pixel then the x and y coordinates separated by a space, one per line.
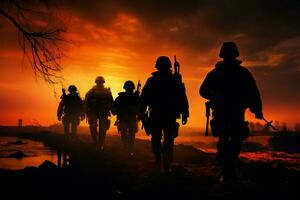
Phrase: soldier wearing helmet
pixel 98 104
pixel 70 111
pixel 126 109
pixel 159 100
pixel 231 89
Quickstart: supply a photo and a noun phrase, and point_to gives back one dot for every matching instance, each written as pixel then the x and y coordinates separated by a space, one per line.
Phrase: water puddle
pixel 35 153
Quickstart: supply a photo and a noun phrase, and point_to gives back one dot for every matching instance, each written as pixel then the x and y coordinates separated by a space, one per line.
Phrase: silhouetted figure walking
pixel 231 89
pixel 126 109
pixel 70 111
pixel 98 102
pixel 162 101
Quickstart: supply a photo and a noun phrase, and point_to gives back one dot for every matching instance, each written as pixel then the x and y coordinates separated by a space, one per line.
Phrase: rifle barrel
pixel 269 123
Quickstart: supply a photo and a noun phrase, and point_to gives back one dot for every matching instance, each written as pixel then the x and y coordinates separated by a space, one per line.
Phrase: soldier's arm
pixel 206 90
pixel 82 112
pixel 144 98
pixel 60 110
pixel 185 112
pixel 184 102
pixel 115 106
pixel 110 99
pixel 185 109
pixel 86 101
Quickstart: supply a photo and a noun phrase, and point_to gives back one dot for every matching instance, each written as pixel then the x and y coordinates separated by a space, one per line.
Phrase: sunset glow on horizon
pixel 123 43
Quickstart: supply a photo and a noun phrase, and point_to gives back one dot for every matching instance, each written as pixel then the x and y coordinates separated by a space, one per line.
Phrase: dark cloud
pixel 203 24
pixel 278 87
pixel 280 79
pixel 198 25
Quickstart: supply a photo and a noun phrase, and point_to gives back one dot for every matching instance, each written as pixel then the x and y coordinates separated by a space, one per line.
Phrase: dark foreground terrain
pixel 91 174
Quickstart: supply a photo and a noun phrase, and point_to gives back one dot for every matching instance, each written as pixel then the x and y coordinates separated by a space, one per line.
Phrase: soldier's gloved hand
pixel 58 118
pixel 259 115
pixel 184 120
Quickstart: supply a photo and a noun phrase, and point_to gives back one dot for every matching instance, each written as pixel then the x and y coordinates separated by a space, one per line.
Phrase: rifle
pixel 182 101
pixel 269 124
pixel 177 74
pixel 138 87
pixel 63 94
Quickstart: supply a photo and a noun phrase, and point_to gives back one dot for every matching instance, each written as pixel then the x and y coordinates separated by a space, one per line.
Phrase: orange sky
pixel 126 49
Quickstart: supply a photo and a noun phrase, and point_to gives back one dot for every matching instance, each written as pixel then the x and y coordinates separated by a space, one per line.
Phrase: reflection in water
pixel 63 159
pixel 36 153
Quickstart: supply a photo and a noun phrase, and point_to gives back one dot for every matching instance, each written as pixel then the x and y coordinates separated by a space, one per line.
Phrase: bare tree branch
pixel 43 48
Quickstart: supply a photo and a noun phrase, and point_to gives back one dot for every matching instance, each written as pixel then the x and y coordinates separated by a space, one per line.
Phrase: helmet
pixel 99 79
pixel 72 88
pixel 163 62
pixel 129 85
pixel 229 50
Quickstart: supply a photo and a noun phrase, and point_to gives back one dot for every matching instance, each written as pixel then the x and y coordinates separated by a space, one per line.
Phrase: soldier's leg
pixel 124 138
pixel 59 155
pixel 156 137
pixel 223 148
pixel 236 144
pixel 168 147
pixel 66 124
pixel 103 126
pixel 74 124
pixel 233 154
pixel 133 128
pixel 64 164
pixel 92 120
pixel 123 130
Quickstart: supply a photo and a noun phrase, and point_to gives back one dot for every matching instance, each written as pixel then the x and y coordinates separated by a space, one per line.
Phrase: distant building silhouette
pixel 20 123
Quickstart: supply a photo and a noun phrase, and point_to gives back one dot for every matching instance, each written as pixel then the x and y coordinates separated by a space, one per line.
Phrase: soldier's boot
pixel 101 142
pixel 168 153
pixel 156 149
pixel 228 172
pixel 131 140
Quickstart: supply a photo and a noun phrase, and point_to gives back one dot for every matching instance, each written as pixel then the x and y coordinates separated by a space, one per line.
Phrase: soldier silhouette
pixel 70 111
pixel 98 105
pixel 162 101
pixel 230 89
pixel 126 109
